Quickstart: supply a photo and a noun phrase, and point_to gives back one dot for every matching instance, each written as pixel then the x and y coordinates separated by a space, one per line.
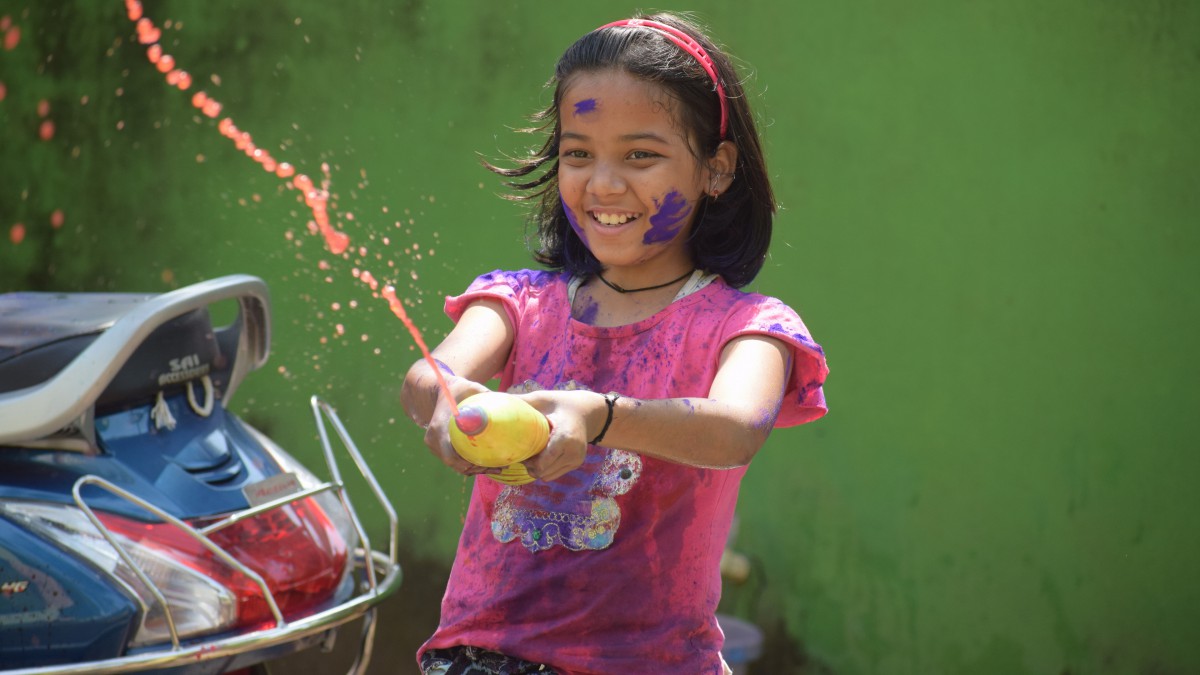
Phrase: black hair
pixel 730 235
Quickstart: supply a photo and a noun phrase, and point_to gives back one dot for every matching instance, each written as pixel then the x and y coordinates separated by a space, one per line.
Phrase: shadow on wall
pixel 404 621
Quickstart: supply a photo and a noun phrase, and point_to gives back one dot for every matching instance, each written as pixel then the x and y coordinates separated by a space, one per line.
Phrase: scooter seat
pixel 40 333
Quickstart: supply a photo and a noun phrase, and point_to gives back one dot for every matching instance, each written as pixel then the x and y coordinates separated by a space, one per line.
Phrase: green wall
pixel 989 219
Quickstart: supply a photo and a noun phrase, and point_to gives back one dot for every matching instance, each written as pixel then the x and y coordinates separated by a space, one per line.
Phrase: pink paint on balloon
pixel 57 218
pixel 16 233
pixel 46 130
pixel 12 38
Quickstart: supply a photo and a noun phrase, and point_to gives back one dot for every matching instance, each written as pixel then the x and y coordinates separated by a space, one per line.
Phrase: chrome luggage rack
pixel 381 574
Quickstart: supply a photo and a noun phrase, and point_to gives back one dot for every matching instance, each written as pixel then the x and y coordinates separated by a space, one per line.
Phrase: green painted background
pixel 989 218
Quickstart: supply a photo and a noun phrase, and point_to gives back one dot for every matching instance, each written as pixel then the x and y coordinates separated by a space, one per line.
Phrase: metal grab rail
pixel 382 573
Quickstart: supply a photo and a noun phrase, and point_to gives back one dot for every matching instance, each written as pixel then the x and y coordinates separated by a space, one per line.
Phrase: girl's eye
pixel 574 154
pixel 642 154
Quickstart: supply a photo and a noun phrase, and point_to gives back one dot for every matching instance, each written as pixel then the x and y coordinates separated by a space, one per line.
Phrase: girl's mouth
pixel 614 218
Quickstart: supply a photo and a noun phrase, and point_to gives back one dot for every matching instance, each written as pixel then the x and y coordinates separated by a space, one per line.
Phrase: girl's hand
pixel 437 434
pixel 568 412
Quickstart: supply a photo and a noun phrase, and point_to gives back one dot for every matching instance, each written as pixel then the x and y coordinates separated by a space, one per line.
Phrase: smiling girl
pixel 660 379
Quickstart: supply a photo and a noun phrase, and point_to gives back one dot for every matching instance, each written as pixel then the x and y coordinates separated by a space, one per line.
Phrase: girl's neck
pixel 625 281
pixel 598 304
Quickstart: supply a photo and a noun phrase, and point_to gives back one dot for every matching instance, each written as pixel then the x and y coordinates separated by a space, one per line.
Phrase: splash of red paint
pixel 397 307
pixel 317 199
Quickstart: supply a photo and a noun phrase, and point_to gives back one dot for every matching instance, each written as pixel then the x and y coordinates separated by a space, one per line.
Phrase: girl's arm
pixel 724 430
pixel 474 351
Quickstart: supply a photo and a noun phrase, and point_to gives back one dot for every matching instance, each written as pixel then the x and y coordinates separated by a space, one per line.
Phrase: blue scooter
pixel 145 528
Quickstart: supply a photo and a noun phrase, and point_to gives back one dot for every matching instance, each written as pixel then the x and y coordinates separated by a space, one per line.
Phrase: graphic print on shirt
pixel 578 511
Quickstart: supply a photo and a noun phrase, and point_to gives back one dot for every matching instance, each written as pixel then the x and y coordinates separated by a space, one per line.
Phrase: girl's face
pixel 627 176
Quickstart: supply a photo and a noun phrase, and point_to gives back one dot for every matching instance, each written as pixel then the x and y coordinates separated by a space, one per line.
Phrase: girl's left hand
pixel 568 413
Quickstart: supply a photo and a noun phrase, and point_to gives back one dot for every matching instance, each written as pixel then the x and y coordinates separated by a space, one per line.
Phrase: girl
pixel 660 380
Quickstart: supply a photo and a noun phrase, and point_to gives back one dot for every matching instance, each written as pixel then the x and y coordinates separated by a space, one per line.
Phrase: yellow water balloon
pixel 494 429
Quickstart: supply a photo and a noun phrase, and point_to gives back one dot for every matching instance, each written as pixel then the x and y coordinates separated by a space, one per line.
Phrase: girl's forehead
pixel 587 96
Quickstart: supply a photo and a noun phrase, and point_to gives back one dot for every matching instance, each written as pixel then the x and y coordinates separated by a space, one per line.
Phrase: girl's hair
pixel 730 235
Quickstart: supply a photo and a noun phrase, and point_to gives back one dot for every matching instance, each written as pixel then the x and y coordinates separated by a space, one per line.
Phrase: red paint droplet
pixel 303 183
pixel 212 108
pixel 185 81
pixel 166 63
pixel 134 9
pixel 46 130
pixel 12 38
pixel 154 53
pixel 43 108
pixel 57 218
pixel 173 77
pixel 199 99
pixel 17 233
pixel 3 91
pixel 284 170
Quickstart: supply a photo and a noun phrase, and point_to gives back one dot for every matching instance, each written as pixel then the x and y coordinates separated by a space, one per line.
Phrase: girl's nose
pixel 606 180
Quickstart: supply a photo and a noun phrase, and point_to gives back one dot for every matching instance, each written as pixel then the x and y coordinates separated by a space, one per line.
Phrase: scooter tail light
pixel 199 605
pixel 294 548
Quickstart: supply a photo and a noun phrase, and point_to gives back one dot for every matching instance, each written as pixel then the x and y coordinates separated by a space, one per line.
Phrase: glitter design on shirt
pixel 522 512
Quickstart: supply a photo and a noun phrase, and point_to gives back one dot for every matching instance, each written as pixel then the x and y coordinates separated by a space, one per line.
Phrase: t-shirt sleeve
pixel 506 287
pixel 804 399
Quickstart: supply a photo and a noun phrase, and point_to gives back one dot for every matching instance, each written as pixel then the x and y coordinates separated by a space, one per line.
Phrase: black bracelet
pixel 610 399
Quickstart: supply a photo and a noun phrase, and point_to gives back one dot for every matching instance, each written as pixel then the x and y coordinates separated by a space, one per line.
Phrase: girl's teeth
pixel 612 219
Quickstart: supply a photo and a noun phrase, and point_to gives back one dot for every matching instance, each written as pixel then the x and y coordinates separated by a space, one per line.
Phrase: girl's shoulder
pixel 520 280
pixel 745 312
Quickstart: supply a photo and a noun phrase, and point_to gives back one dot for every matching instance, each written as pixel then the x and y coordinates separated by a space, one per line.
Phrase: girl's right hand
pixel 437 433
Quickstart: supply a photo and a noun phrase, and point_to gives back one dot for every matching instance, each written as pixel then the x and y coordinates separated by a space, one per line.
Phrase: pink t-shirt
pixel 613 568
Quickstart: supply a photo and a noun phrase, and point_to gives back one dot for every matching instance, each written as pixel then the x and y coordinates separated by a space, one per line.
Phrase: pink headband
pixel 688 44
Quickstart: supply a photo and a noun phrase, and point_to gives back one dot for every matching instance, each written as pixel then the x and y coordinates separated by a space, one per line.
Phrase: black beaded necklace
pixel 622 289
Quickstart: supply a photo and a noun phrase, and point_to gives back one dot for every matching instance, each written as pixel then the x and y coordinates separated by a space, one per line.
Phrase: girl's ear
pixel 721 168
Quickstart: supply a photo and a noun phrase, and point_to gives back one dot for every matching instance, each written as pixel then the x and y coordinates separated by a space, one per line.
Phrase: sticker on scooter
pixel 186 368
pixel 279 485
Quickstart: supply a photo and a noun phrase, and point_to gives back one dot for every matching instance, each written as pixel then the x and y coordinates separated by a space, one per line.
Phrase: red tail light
pixel 296 549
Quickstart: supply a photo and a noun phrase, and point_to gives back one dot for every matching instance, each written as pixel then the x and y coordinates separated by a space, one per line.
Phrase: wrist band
pixel 610 399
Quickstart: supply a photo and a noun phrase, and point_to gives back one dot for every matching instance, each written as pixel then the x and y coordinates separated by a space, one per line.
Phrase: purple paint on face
pixel 665 224
pixel 575 223
pixel 587 105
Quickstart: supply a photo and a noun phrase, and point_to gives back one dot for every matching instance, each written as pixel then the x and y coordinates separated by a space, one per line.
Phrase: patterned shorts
pixel 469 660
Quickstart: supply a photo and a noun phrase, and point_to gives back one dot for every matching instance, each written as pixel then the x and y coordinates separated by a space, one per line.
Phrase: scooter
pixel 146 528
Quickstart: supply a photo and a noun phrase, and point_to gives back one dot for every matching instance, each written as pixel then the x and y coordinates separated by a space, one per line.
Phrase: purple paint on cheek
pixel 575 223
pixel 587 105
pixel 665 224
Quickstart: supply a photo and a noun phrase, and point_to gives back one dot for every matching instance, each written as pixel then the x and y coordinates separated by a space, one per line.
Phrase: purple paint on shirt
pixel 665 224
pixel 587 105
pixel 575 223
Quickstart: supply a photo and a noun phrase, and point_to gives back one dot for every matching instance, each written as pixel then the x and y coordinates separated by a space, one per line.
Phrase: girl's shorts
pixel 476 661
pixel 467 660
